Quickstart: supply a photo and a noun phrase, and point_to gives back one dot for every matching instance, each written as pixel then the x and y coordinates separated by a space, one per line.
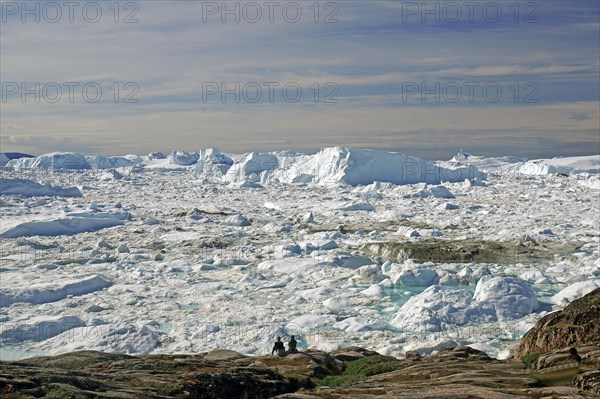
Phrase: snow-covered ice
pixel 199 250
pixel 29 188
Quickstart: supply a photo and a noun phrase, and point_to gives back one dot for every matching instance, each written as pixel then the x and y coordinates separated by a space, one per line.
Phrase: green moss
pixel 77 364
pixel 360 369
pixel 530 359
pixel 171 388
pixel 61 393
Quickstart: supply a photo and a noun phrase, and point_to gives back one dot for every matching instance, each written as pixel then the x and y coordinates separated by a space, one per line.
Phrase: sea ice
pixel 29 188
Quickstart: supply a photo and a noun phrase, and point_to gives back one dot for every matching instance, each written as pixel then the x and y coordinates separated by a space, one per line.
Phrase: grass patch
pixel 171 388
pixel 530 359
pixel 71 363
pixel 360 369
pixel 61 393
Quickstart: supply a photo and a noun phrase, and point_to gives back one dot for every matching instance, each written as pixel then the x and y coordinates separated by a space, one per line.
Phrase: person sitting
pixel 292 345
pixel 278 347
pixel 574 355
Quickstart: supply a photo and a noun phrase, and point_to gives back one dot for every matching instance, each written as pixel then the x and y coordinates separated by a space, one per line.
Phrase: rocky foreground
pixel 545 367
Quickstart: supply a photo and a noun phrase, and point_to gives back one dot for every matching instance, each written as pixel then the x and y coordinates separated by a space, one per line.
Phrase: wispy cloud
pixel 370 54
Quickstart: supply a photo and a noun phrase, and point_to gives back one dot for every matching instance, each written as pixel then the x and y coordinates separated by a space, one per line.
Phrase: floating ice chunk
pixel 317 294
pixel 375 290
pixel 434 309
pixel 251 167
pixel 307 218
pixel 309 322
pixel 407 232
pixel 237 220
pixel 448 280
pixel 439 307
pixel 38 328
pixel 410 274
pixel 592 182
pixel 567 165
pixel 44 293
pixel 461 156
pixel 337 303
pixel 110 175
pixel 29 188
pixel 156 155
pixel 296 264
pixel 388 267
pixel 448 207
pixel 46 266
pixel 244 184
pixel 277 228
pixel 574 291
pixel 360 167
pixel 182 158
pixel 509 297
pixel 251 282
pixel 353 261
pixel 363 206
pixel 204 267
pixel 358 324
pixel 368 274
pixel 212 165
pixel 122 249
pixel 286 251
pixel 104 162
pixel 53 161
pixel 132 339
pixel 319 245
pixel 72 224
pixel 532 275
pixel 408 278
pixel 436 192
pixel 272 205
pixel 103 244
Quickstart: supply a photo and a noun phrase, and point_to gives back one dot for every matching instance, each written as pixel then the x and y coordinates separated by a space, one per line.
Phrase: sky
pixel 423 78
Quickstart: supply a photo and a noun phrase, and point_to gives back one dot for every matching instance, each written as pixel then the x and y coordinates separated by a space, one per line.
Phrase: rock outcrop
pixel 567 368
pixel 459 372
pixel 578 324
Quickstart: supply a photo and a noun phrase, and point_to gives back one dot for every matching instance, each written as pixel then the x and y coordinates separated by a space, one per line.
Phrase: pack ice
pixel 197 250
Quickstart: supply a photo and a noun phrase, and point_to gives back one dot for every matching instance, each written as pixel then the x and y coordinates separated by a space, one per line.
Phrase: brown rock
pixel 413 355
pixel 577 324
pixel 589 382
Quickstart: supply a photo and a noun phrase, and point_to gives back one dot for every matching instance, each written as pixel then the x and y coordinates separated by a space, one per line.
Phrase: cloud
pixel 369 54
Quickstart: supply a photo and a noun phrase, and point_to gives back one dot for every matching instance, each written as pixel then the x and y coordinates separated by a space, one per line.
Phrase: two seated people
pixel 280 349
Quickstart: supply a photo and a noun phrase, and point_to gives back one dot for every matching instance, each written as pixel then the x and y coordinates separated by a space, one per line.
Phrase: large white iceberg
pixel 182 158
pixel 252 167
pixel 132 338
pixel 362 167
pixel 507 297
pixel 37 328
pixel 566 165
pixel 52 161
pixel 104 162
pixel 212 165
pixel 440 307
pixel 51 292
pixel 574 291
pixel 70 224
pixel 29 188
